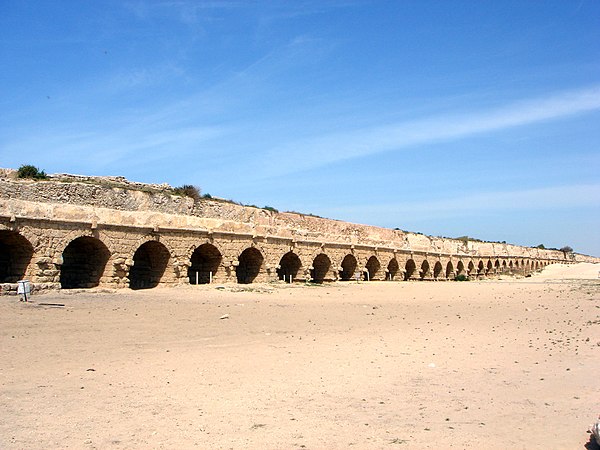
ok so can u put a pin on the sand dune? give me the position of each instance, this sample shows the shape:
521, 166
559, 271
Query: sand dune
491, 364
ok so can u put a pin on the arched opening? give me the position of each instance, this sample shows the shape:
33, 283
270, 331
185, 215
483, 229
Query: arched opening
373, 267
471, 268
480, 268
460, 268
348, 267
15, 256
149, 263
249, 264
424, 269
204, 263
489, 268
510, 266
410, 269
504, 266
289, 266
84, 260
392, 268
437, 270
321, 265
449, 269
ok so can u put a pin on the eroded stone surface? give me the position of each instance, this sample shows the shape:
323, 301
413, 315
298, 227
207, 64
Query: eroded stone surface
73, 231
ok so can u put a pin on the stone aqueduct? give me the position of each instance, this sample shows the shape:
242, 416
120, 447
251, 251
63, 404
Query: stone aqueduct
81, 232
80, 256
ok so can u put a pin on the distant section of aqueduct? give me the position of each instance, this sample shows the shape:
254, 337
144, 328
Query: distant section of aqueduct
82, 232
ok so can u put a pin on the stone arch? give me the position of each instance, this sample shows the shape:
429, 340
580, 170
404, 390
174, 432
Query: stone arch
480, 267
289, 266
25, 231
71, 236
84, 261
321, 265
242, 245
250, 262
471, 268
425, 268
373, 267
132, 248
15, 255
393, 268
437, 270
204, 264
349, 265
410, 269
191, 249
490, 267
449, 270
150, 261
460, 268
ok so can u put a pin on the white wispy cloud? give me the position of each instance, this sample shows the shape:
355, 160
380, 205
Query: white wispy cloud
545, 198
143, 77
184, 10
184, 125
343, 145
102, 149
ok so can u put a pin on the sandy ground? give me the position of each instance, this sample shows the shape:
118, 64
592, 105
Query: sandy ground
490, 364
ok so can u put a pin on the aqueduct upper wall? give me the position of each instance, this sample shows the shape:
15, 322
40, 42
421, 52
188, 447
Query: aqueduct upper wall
75, 231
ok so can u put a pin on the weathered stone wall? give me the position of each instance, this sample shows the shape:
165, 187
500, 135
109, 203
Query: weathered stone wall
142, 235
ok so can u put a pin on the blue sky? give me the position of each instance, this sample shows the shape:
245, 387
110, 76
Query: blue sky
456, 118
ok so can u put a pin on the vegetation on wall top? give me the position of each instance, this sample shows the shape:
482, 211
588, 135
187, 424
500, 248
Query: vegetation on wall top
565, 249
31, 172
188, 190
